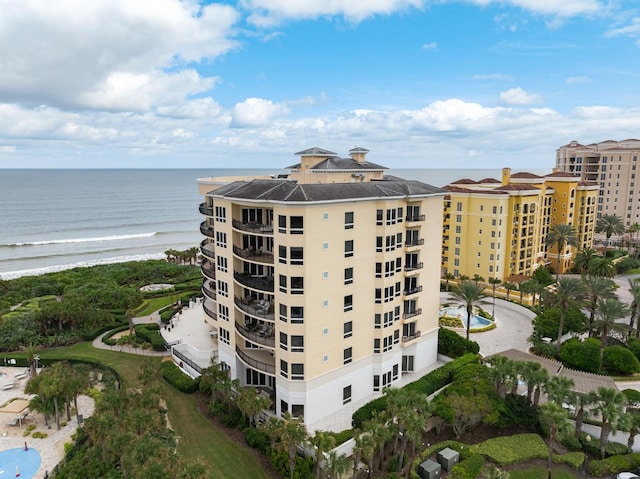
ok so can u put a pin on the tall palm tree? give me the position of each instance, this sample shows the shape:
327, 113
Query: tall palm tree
556, 419
603, 267
634, 289
290, 433
448, 277
581, 403
499, 373
584, 258
558, 389
364, 447
531, 376
509, 286
377, 427
560, 236
633, 231
610, 225
337, 464
568, 292
609, 405
323, 442
609, 310
469, 295
596, 288
477, 278
494, 282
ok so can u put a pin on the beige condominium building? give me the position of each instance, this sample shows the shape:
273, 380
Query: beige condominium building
497, 228
323, 284
614, 166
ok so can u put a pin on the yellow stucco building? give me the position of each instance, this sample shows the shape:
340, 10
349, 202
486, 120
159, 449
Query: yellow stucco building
497, 228
322, 285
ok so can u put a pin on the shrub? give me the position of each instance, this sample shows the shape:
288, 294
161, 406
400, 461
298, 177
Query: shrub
150, 333
612, 449
470, 468
634, 347
517, 411
257, 439
582, 355
626, 264
342, 436
512, 449
280, 461
546, 323
463, 449
614, 465
620, 360
106, 339
452, 344
178, 379
572, 459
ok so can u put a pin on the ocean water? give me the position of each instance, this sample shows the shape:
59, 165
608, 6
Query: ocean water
52, 220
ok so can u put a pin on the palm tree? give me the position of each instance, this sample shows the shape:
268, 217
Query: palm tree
477, 278
337, 464
603, 267
469, 295
509, 286
584, 258
609, 310
634, 289
531, 373
560, 236
558, 389
380, 432
568, 292
364, 448
32, 353
610, 225
596, 288
448, 277
494, 282
609, 405
291, 434
633, 231
556, 419
634, 428
499, 373
323, 442
581, 401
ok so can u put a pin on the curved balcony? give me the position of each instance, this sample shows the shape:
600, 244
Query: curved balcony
207, 249
259, 283
208, 269
253, 228
256, 256
412, 314
206, 230
258, 360
257, 309
409, 292
212, 314
261, 336
205, 210
209, 289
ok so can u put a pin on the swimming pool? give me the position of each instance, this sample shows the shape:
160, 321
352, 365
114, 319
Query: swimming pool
26, 462
461, 312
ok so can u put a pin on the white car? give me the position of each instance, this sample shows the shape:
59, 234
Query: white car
627, 475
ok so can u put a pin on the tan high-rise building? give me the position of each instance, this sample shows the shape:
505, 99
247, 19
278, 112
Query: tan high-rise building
613, 165
323, 285
497, 228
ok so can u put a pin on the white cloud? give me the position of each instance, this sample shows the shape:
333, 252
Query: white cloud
577, 79
563, 8
256, 112
430, 46
517, 96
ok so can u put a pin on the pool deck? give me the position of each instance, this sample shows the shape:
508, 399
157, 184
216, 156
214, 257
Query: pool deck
51, 448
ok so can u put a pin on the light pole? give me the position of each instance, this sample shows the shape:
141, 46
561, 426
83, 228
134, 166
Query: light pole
37, 358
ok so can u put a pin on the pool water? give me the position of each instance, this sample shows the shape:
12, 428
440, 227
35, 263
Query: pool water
460, 312
27, 463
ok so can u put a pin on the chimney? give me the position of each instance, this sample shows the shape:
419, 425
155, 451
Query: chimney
358, 154
506, 176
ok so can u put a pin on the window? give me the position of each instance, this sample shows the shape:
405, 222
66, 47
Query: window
221, 239
348, 275
379, 217
297, 372
283, 312
221, 214
296, 254
400, 215
284, 407
282, 224
297, 285
297, 315
297, 410
284, 369
297, 344
376, 346
348, 303
224, 336
391, 217
325, 246
348, 248
346, 395
348, 220
378, 270
224, 312
376, 382
297, 225
395, 372
377, 323
325, 275
283, 341
379, 244
347, 355
282, 254
222, 264
407, 364
325, 216
378, 296
223, 288
283, 283
458, 206
348, 329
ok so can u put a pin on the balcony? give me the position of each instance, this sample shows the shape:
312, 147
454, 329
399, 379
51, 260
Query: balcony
256, 256
414, 218
407, 339
206, 230
258, 360
260, 283
212, 314
254, 228
413, 266
412, 314
207, 249
209, 289
263, 336
257, 309
409, 292
205, 210
414, 242
208, 269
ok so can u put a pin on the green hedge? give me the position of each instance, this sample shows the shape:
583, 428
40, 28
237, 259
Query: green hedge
572, 459
463, 449
427, 384
179, 380
614, 465
453, 345
581, 355
618, 360
150, 333
470, 468
106, 339
507, 450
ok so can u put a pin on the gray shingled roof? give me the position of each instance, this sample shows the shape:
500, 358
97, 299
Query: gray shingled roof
315, 151
286, 190
335, 163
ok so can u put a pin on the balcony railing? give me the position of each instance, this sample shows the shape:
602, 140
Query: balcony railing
207, 249
206, 210
208, 269
261, 283
258, 337
208, 289
408, 292
189, 362
258, 228
206, 230
413, 266
412, 314
406, 339
415, 218
212, 314
255, 308
256, 364
414, 242
257, 256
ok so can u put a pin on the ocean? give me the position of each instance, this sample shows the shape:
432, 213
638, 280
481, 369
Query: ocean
51, 220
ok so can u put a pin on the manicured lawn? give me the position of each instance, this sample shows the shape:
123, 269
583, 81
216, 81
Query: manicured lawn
154, 304
198, 437
539, 472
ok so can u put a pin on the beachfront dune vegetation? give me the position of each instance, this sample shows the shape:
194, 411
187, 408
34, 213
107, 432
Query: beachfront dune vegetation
78, 304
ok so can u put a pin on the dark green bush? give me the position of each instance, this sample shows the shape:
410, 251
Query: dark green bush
179, 380
150, 333
614, 465
543, 276
470, 468
581, 355
342, 436
612, 448
517, 411
572, 459
634, 347
626, 264
280, 461
453, 345
619, 360
106, 339
545, 325
256, 439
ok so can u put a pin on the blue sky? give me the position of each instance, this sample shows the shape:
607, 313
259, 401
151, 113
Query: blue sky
421, 84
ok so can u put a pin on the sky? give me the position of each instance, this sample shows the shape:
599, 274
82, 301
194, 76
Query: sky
246, 84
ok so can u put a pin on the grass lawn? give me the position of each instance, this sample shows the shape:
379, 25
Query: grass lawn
154, 304
539, 472
198, 437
